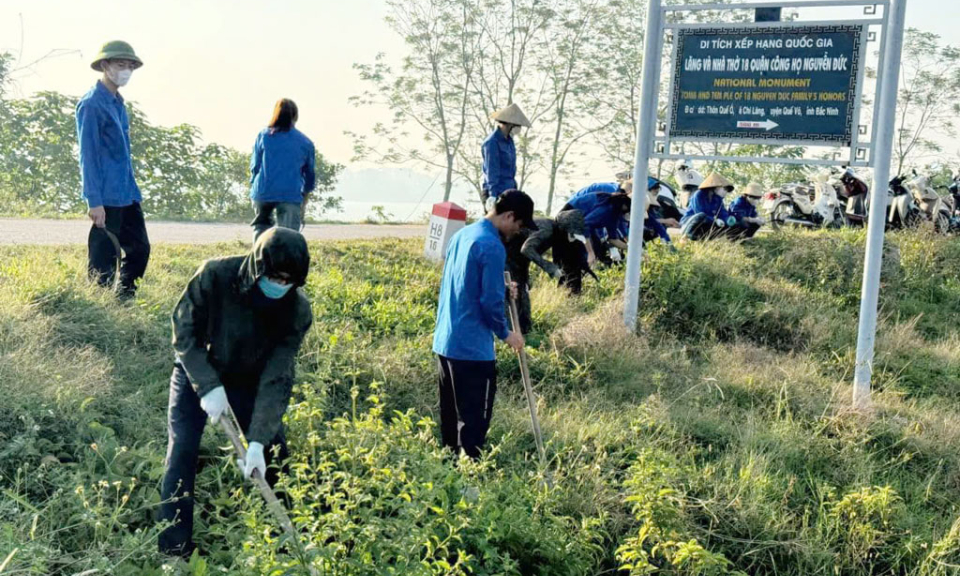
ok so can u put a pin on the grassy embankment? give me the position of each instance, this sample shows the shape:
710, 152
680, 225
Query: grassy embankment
718, 440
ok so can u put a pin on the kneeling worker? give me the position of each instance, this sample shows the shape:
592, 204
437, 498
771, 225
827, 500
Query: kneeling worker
564, 234
744, 209
706, 216
236, 333
470, 313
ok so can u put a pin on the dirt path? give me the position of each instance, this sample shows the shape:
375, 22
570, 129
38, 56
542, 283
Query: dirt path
37, 231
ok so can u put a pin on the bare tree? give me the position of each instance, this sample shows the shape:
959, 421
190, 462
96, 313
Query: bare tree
927, 106
431, 91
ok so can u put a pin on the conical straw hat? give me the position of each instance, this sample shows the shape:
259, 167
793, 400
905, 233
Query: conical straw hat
754, 189
715, 180
511, 115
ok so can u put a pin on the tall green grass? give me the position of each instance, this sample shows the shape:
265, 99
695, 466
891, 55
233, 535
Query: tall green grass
717, 440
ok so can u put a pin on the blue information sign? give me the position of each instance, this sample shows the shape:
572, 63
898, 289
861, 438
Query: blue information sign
793, 83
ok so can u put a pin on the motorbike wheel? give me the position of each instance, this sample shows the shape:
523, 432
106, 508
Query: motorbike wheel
839, 220
780, 212
942, 224
913, 219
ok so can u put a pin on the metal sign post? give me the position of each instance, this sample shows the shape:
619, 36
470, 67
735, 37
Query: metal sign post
646, 129
870, 294
778, 83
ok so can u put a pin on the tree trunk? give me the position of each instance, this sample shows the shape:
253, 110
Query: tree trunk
448, 183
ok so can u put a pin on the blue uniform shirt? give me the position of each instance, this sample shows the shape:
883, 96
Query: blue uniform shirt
499, 163
602, 218
702, 202
656, 226
608, 187
742, 208
471, 309
103, 133
282, 167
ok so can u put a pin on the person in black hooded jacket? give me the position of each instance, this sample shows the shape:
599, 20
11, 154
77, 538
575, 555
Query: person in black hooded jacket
236, 332
564, 234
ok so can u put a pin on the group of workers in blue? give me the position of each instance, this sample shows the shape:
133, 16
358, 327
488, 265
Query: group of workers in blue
240, 321
592, 226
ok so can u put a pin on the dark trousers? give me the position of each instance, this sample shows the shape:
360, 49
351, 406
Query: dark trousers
185, 422
701, 227
287, 216
467, 389
127, 225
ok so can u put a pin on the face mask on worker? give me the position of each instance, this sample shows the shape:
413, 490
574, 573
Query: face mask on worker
118, 76
752, 200
273, 290
720, 191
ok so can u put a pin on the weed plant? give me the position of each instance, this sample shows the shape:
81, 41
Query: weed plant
717, 439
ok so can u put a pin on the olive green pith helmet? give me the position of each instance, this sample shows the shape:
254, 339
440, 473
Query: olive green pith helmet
115, 49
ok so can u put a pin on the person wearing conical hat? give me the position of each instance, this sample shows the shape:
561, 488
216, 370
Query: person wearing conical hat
706, 215
500, 154
744, 209
106, 170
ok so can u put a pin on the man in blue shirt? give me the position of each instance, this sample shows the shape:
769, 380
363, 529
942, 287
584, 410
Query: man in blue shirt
500, 154
706, 215
106, 169
469, 315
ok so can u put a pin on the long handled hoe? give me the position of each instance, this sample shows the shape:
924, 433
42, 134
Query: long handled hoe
229, 424
525, 373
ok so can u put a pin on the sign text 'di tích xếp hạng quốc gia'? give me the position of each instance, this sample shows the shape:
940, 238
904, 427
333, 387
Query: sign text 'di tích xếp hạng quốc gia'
788, 83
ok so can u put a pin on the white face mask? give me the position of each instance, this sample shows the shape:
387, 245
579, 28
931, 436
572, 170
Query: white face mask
752, 200
118, 77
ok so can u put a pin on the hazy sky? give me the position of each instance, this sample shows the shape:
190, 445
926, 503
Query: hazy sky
221, 64
217, 64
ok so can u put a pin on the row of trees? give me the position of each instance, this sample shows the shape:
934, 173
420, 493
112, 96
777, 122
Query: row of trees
179, 174
574, 66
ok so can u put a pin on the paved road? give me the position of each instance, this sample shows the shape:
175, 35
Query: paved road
33, 231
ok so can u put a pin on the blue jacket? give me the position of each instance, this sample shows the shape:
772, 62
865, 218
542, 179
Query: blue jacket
742, 208
499, 163
103, 133
602, 218
471, 310
708, 203
282, 167
608, 187
656, 226
648, 223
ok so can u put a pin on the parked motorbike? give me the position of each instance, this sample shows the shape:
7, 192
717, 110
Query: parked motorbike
853, 195
688, 180
668, 199
902, 211
806, 206
954, 190
932, 207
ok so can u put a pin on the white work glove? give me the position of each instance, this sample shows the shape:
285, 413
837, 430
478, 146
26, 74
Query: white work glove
615, 255
253, 461
214, 403
556, 274
719, 223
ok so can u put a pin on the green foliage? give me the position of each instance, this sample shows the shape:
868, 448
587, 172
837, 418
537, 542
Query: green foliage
717, 441
179, 175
